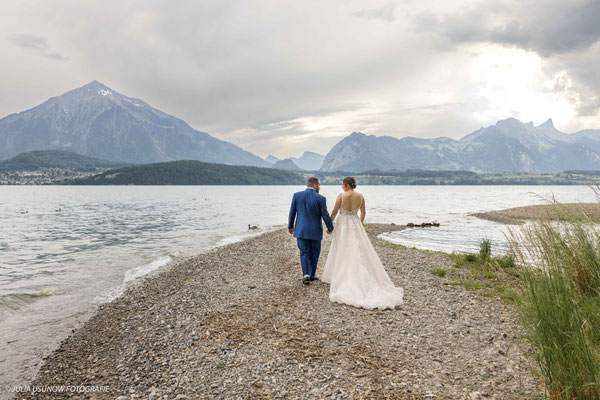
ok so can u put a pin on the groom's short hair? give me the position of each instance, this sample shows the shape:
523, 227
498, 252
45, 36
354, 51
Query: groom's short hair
312, 181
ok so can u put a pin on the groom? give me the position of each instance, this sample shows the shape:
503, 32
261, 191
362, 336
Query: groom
310, 207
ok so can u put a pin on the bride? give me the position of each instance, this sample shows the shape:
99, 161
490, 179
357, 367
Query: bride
353, 269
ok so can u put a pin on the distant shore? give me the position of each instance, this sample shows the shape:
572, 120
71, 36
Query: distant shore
236, 322
546, 212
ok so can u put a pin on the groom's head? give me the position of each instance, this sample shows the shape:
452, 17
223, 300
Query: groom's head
313, 182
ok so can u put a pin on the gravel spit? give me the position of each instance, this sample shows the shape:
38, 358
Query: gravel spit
237, 323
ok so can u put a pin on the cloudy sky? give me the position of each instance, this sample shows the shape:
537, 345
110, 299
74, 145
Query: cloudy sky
282, 77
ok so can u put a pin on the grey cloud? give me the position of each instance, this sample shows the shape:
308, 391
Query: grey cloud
37, 44
277, 78
566, 34
545, 27
584, 69
589, 109
227, 65
29, 41
385, 13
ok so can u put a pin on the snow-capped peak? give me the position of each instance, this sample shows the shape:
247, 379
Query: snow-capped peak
105, 92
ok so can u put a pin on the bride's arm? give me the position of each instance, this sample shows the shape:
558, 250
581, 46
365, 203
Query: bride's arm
336, 208
363, 211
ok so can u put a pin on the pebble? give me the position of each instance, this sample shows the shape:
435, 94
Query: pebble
214, 337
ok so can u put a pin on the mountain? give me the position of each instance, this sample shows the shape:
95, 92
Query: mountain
507, 146
287, 163
309, 161
589, 138
271, 159
36, 160
190, 172
96, 121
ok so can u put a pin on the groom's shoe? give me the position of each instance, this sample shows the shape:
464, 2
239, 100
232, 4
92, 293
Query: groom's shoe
306, 279
314, 278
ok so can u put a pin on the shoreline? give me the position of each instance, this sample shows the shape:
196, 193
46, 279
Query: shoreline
543, 212
27, 360
235, 321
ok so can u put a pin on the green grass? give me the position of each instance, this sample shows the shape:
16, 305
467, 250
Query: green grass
557, 297
490, 275
485, 249
463, 260
396, 246
506, 261
560, 306
467, 283
441, 272
470, 257
507, 293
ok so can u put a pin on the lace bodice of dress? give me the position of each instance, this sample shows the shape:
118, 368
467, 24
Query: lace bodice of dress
353, 269
350, 212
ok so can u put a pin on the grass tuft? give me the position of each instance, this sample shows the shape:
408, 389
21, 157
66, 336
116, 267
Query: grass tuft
441, 272
396, 246
485, 249
467, 283
560, 307
469, 257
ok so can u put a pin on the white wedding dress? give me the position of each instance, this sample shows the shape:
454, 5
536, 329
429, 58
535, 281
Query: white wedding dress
353, 269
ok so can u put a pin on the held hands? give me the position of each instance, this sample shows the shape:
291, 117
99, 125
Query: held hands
291, 231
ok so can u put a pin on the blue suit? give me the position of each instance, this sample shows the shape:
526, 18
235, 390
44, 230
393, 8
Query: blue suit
307, 210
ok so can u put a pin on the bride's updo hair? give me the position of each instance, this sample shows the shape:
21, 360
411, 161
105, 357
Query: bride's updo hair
350, 181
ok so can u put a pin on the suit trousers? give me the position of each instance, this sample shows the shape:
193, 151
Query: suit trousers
309, 255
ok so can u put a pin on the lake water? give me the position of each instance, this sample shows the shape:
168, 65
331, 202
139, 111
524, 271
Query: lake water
66, 249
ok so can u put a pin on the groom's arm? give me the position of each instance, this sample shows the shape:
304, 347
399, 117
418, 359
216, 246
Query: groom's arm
292, 216
325, 215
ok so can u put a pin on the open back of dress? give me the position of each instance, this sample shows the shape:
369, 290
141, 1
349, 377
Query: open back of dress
354, 270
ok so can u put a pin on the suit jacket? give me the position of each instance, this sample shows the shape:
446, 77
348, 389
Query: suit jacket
309, 207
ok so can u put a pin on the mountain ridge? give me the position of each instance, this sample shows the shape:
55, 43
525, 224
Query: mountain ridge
309, 160
191, 172
507, 146
97, 121
39, 159
287, 164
